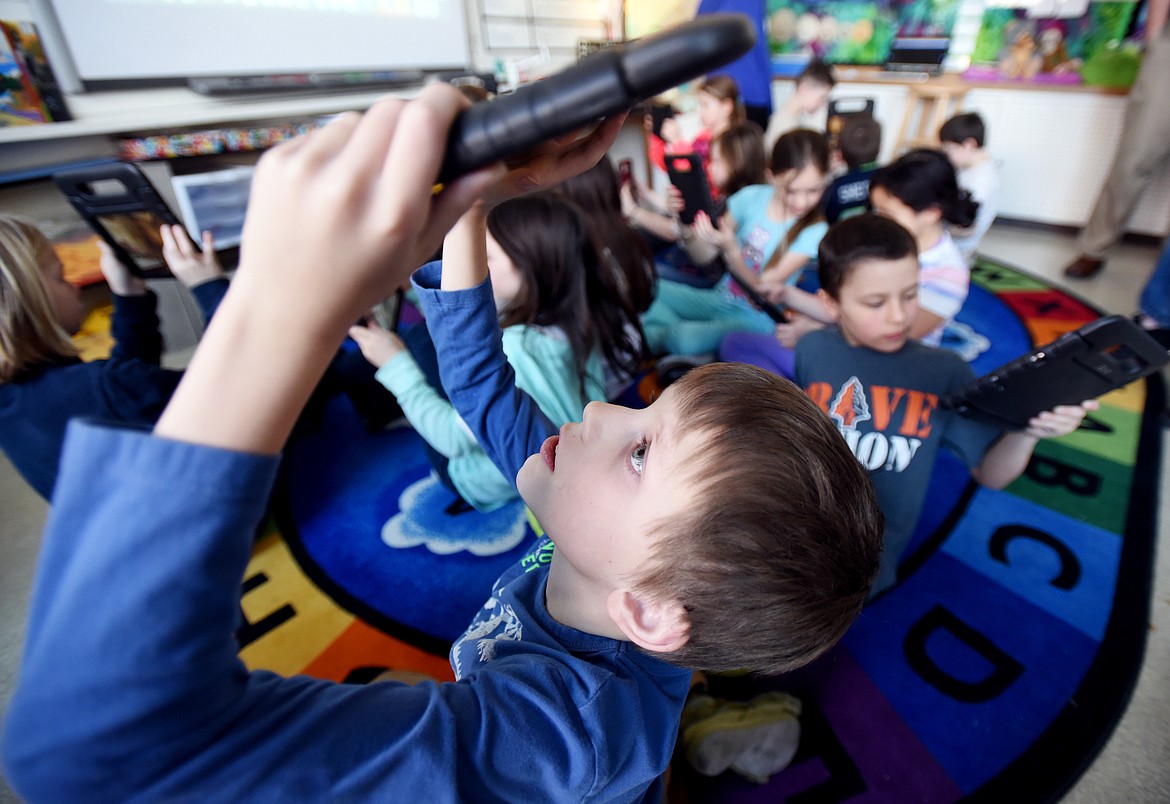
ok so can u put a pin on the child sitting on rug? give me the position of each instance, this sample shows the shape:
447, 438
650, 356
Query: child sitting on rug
736, 161
920, 191
963, 140
725, 526
719, 108
561, 328
860, 143
882, 388
43, 383
769, 232
626, 283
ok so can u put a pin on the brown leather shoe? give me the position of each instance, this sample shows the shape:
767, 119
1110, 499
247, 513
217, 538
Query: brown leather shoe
1083, 267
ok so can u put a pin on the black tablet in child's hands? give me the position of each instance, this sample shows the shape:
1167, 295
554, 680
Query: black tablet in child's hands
123, 207
688, 175
1097, 358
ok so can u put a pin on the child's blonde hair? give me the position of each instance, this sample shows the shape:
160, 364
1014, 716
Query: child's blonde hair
29, 330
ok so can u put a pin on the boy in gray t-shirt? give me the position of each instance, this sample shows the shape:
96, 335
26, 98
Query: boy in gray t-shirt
882, 389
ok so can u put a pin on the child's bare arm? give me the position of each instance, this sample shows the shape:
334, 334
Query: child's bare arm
1008, 457
924, 323
461, 318
780, 269
711, 240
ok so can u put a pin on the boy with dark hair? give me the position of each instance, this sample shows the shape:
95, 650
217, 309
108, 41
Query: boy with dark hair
810, 95
860, 142
962, 139
675, 548
882, 389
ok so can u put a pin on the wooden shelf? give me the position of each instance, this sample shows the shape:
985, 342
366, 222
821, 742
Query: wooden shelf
133, 111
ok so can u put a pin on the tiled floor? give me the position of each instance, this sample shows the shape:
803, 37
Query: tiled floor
1133, 767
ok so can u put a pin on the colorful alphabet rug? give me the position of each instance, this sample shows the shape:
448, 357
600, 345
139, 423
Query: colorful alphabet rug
994, 670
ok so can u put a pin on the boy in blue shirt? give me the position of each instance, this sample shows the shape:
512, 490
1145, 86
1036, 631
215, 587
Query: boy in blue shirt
860, 142
572, 677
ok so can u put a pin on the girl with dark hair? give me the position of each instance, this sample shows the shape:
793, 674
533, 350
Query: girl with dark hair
921, 191
769, 233
622, 287
559, 328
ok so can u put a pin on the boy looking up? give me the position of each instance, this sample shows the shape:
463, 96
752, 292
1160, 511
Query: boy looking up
882, 389
962, 140
675, 548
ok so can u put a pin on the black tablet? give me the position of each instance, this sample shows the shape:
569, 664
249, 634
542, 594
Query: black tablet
688, 175
775, 312
122, 206
1097, 358
609, 81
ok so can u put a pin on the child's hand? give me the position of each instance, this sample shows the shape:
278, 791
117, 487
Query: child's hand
773, 291
379, 346
722, 237
550, 163
1061, 420
339, 218
336, 221
628, 202
798, 326
121, 281
187, 264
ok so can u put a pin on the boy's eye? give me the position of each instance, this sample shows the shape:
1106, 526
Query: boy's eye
638, 456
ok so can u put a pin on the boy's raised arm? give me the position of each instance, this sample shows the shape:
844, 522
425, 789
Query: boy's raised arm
130, 648
461, 314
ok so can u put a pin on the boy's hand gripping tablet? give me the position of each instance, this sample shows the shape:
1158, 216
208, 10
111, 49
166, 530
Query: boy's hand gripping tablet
1102, 355
607, 82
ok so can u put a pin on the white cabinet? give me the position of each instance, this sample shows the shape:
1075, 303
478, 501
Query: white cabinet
1053, 148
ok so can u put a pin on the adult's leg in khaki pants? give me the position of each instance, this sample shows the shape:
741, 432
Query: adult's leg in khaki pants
1143, 148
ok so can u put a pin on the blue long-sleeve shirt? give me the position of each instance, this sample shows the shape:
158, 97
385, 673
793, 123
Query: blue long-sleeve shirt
131, 690
129, 388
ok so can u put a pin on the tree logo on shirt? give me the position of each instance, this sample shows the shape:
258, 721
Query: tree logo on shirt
850, 405
900, 420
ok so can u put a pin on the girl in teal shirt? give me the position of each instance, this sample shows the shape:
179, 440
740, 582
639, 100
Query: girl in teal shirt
559, 331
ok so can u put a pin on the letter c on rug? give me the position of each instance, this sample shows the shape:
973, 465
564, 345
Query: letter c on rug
1070, 568
1004, 669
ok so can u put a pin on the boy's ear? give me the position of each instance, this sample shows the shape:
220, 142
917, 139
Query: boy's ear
828, 302
658, 626
931, 215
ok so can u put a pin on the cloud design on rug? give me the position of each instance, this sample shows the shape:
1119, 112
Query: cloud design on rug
422, 519
962, 338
